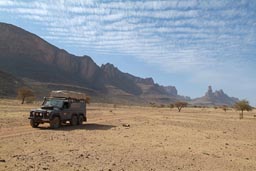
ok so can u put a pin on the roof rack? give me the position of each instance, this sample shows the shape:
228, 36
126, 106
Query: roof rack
71, 95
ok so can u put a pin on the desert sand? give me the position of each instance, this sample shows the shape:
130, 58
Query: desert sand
117, 138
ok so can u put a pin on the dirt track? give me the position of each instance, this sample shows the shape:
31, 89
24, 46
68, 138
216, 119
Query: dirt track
157, 139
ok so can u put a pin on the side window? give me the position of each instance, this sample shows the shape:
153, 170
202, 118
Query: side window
66, 105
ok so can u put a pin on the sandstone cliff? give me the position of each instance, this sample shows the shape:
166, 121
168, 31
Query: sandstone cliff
28, 57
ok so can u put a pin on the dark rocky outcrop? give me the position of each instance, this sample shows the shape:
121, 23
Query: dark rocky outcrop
123, 81
28, 56
216, 98
146, 81
171, 90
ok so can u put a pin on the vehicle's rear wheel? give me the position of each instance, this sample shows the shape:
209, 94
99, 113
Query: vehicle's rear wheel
80, 120
33, 123
73, 121
55, 123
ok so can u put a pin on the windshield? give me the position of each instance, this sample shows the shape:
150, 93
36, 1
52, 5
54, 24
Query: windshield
53, 103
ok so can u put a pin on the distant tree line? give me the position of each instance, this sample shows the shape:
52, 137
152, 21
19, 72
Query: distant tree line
241, 106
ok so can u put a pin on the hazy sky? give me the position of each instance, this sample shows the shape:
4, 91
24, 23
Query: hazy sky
188, 43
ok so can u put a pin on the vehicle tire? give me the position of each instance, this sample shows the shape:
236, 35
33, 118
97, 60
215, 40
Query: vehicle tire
80, 120
33, 123
73, 120
55, 123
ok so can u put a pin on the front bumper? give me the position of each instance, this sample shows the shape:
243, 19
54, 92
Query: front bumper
36, 119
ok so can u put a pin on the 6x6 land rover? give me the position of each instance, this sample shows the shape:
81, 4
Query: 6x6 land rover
60, 107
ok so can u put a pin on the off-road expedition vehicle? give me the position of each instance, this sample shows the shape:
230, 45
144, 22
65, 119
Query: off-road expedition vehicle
60, 107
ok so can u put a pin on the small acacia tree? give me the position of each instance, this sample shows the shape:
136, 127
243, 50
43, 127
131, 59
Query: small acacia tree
24, 93
225, 108
180, 105
242, 106
88, 99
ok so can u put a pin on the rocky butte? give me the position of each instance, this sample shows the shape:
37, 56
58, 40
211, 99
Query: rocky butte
216, 98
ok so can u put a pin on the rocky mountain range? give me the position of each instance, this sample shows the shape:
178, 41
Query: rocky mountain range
29, 60
216, 98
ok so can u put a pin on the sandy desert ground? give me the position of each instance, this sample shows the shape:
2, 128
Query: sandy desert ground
157, 139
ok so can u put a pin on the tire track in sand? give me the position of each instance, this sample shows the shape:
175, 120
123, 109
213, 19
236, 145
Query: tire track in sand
24, 130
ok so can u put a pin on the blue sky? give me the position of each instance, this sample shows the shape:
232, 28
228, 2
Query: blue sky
187, 43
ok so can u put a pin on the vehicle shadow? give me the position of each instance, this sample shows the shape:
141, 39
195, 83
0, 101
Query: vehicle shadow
87, 126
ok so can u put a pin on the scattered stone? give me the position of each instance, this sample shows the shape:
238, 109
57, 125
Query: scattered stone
206, 154
126, 125
2, 161
226, 144
247, 158
216, 156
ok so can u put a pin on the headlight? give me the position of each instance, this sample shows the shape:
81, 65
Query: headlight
40, 114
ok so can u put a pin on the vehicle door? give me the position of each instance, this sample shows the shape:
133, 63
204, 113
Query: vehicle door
67, 111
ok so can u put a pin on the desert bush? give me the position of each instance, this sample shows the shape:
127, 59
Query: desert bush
162, 106
171, 105
152, 104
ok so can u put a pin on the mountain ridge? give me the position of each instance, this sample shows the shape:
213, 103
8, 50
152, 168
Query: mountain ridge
26, 56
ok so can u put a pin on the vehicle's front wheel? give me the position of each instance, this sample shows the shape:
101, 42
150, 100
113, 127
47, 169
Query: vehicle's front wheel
55, 123
33, 123
80, 120
73, 121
